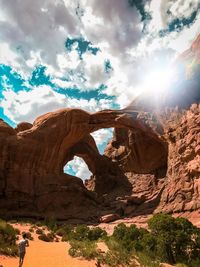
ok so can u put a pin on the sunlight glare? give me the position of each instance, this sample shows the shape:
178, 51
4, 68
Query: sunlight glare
158, 80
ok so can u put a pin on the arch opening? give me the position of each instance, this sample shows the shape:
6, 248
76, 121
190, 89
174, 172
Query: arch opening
86, 154
102, 138
78, 167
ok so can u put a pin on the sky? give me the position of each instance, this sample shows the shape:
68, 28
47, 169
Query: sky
88, 54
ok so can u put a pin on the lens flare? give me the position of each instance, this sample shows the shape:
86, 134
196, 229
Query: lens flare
158, 80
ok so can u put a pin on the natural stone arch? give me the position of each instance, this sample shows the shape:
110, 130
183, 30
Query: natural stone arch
106, 174
73, 125
32, 179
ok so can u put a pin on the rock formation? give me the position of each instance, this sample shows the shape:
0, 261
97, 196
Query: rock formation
32, 182
182, 184
174, 165
151, 164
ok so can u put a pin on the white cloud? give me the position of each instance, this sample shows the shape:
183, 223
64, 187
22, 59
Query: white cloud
94, 72
79, 167
27, 105
114, 21
68, 61
86, 74
165, 11
34, 32
102, 136
7, 56
185, 38
61, 83
180, 8
37, 26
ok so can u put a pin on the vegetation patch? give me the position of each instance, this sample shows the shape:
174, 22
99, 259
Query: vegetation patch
170, 240
7, 239
45, 238
39, 231
86, 249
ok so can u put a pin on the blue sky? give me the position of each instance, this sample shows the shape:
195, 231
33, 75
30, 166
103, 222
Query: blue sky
86, 53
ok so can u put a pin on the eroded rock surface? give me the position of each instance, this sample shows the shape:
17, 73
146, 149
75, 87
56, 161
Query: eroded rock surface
32, 182
182, 187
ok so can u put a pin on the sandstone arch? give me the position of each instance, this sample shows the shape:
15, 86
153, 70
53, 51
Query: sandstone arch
32, 181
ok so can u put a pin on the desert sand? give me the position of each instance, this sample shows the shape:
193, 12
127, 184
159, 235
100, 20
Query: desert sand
45, 254
52, 254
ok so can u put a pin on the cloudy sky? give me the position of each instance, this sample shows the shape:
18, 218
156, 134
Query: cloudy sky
86, 53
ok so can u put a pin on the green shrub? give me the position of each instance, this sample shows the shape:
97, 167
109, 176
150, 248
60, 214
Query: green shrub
46, 238
39, 231
9, 250
80, 233
117, 258
176, 239
51, 224
17, 231
65, 230
86, 249
39, 224
129, 237
116, 255
60, 232
51, 236
120, 231
147, 261
7, 239
96, 233
169, 240
65, 238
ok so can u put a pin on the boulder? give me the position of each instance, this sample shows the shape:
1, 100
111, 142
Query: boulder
109, 218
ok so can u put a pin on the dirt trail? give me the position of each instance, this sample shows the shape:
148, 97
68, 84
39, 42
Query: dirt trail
44, 254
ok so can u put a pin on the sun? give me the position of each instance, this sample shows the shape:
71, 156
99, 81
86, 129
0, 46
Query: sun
158, 80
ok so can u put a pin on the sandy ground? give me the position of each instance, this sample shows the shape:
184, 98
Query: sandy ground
55, 254
45, 254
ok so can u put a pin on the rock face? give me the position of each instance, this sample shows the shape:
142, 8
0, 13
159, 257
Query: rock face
137, 152
182, 187
32, 182
152, 164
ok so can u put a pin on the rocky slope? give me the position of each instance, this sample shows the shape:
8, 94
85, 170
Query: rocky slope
152, 164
